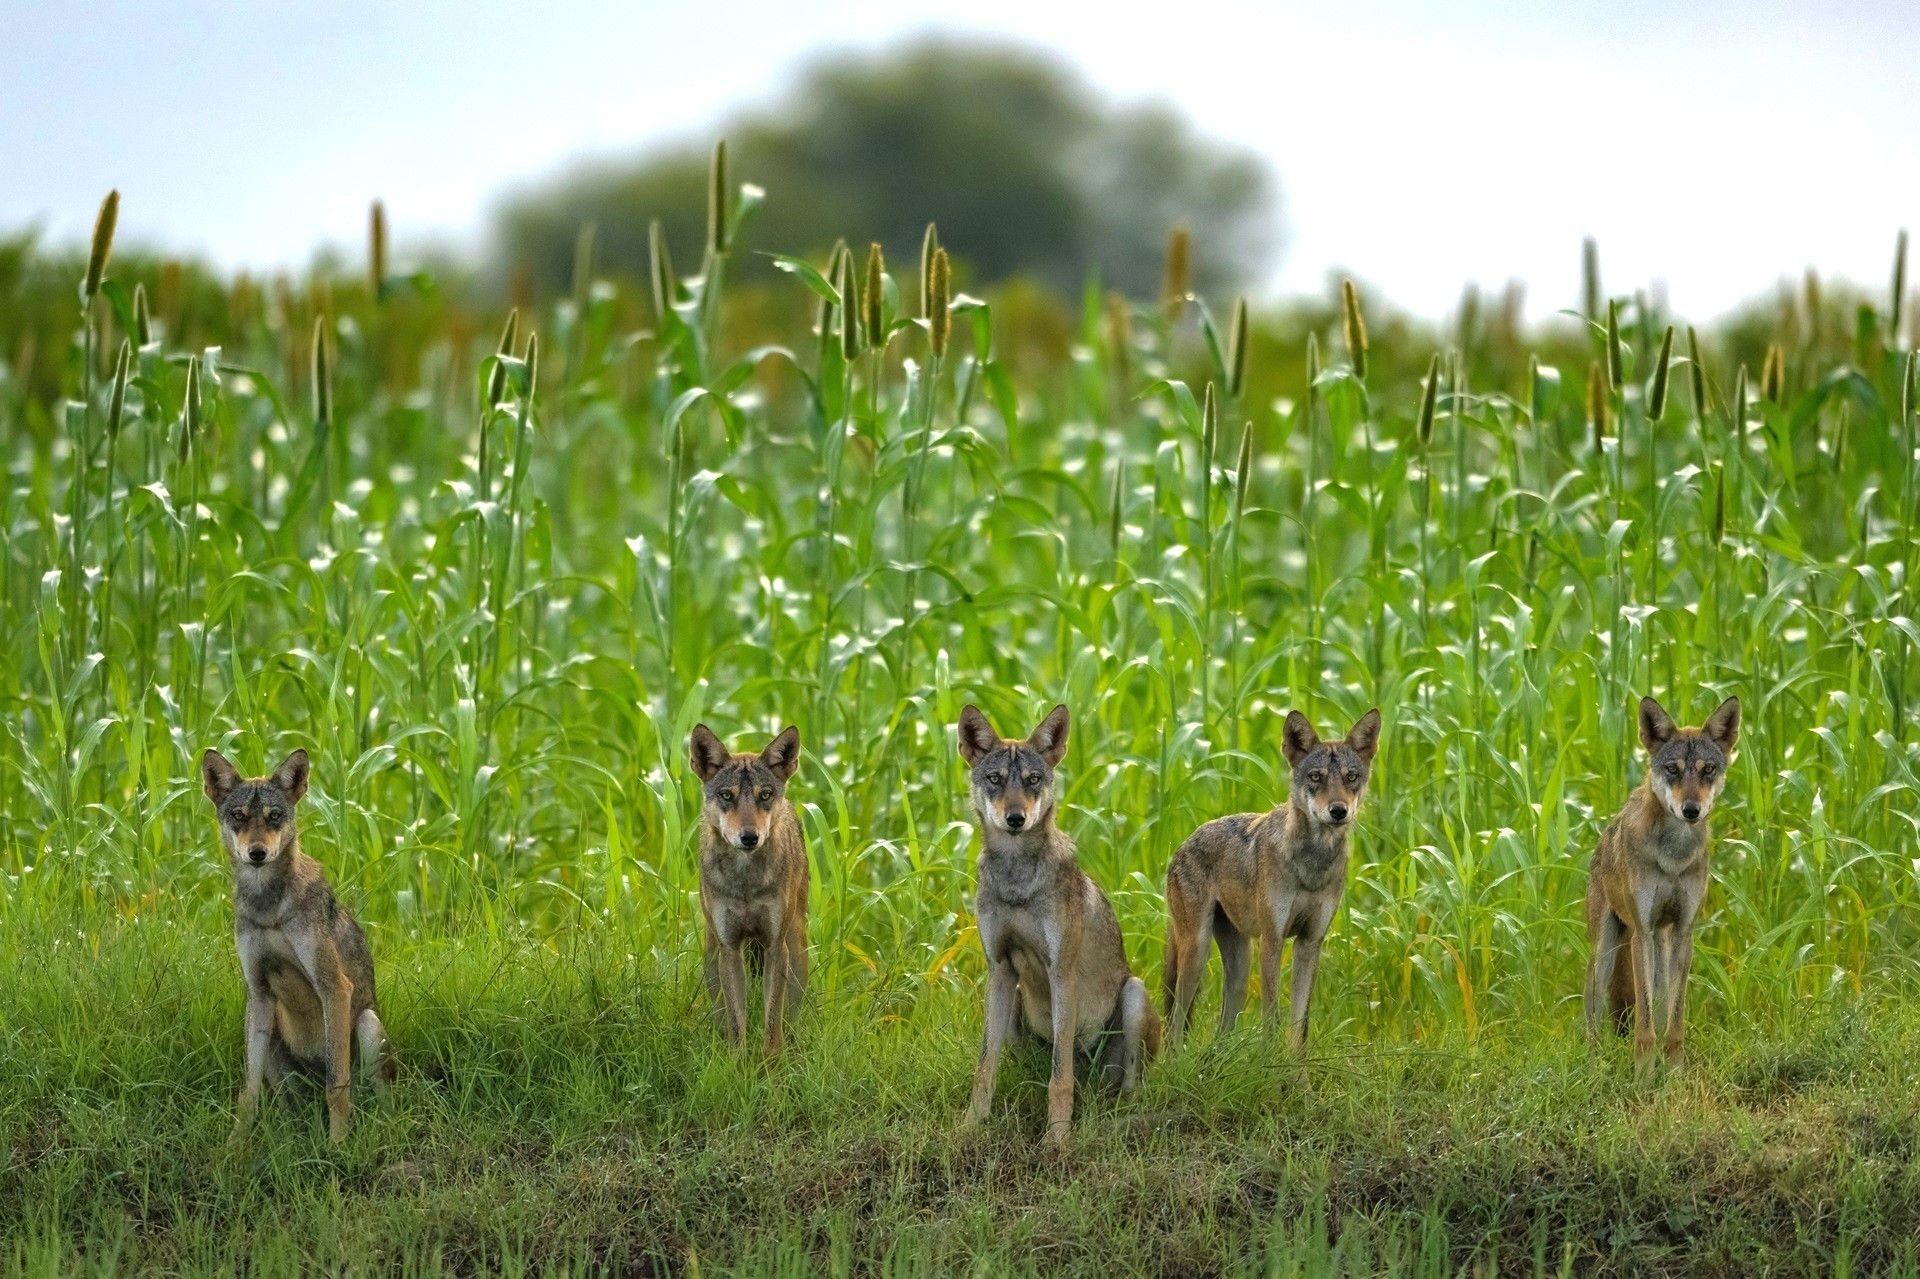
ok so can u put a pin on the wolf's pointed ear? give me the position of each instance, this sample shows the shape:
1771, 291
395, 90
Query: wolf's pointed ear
1656, 726
1050, 739
1723, 726
217, 777
783, 753
291, 776
976, 735
1365, 735
1297, 738
709, 754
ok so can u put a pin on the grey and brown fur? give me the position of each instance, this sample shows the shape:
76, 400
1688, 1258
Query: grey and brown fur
753, 881
1056, 964
1267, 877
311, 1007
1649, 879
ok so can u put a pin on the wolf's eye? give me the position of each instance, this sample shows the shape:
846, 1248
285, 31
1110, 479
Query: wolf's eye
274, 817
1706, 772
1316, 776
1353, 777
1033, 779
1673, 770
725, 797
994, 779
766, 795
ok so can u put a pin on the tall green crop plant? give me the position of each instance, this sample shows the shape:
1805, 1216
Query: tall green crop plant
1177, 290
720, 206
1656, 403
377, 268
1242, 483
116, 417
938, 303
1897, 301
99, 253
1209, 444
1237, 340
191, 423
1423, 436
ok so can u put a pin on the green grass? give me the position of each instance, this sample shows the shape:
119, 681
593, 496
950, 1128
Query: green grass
566, 1104
494, 628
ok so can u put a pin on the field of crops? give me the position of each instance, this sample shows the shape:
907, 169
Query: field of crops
491, 583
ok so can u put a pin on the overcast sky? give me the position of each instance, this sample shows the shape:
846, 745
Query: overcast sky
1716, 146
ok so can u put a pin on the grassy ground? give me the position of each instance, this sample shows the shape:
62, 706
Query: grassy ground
566, 1105
492, 591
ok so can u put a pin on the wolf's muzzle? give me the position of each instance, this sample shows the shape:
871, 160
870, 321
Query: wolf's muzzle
749, 838
257, 854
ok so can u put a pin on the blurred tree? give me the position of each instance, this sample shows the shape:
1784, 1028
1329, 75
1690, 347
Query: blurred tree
1025, 169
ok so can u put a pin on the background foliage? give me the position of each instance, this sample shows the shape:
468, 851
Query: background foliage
1027, 170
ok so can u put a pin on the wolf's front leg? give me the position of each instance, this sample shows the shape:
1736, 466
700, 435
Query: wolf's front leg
773, 983
336, 1007
1003, 1000
1060, 981
1679, 964
716, 991
1306, 967
259, 1041
796, 934
732, 966
1269, 976
1648, 995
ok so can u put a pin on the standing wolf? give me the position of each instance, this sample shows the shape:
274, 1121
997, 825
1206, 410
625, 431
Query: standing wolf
1649, 878
1267, 877
1055, 959
310, 1000
753, 881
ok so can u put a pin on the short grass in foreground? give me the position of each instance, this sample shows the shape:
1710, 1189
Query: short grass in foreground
564, 1105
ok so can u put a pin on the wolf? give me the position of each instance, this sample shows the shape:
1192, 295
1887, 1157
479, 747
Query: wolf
311, 1006
1056, 963
1649, 879
753, 881
1267, 877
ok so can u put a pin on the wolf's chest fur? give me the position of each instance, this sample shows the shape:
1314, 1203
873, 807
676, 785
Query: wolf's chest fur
297, 1011
741, 877
1300, 860
1669, 879
1017, 887
1018, 876
746, 890
1315, 864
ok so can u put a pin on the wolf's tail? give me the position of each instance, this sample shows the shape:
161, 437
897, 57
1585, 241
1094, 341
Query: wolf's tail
1170, 966
1169, 976
1620, 991
1150, 1035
